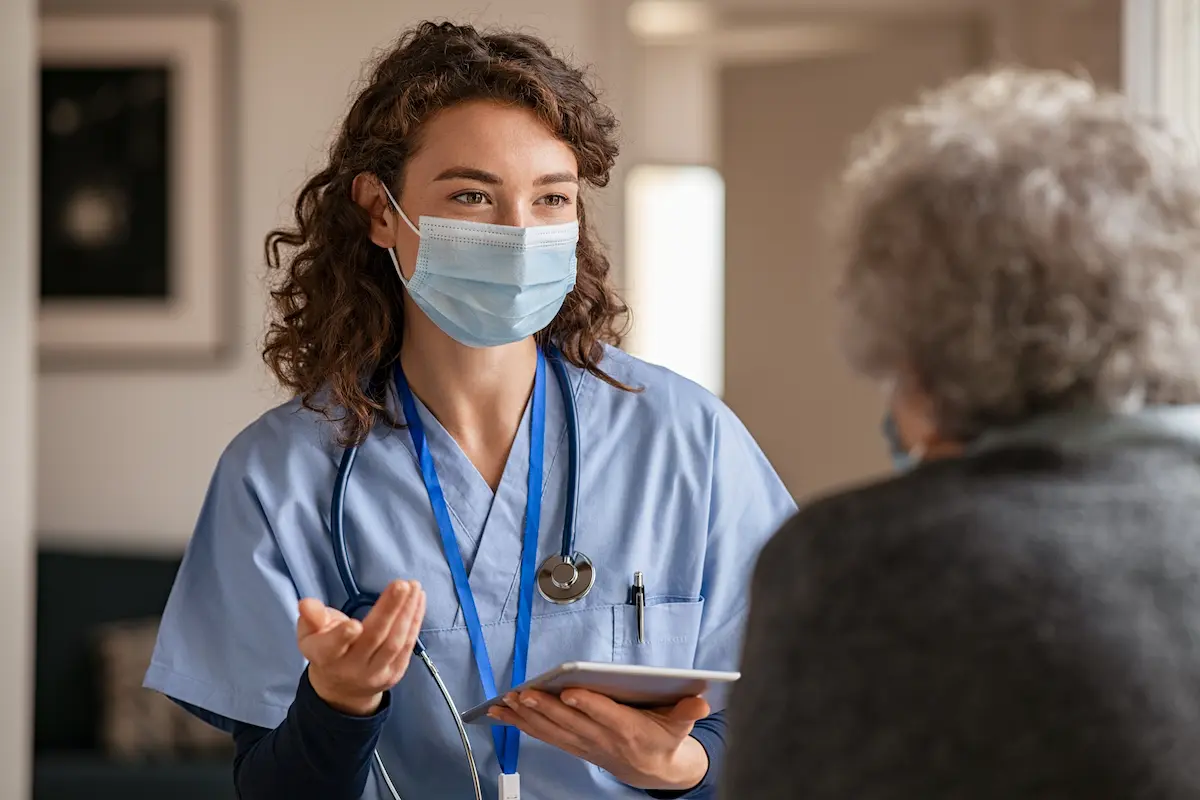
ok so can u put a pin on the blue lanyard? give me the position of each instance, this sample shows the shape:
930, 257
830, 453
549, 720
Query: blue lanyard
508, 740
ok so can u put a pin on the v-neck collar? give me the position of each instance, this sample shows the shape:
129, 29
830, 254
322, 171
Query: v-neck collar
488, 527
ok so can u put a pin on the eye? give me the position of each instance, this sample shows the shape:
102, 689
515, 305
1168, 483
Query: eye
472, 198
556, 200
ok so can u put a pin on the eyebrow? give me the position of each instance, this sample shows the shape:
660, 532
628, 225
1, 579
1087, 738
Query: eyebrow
556, 177
483, 176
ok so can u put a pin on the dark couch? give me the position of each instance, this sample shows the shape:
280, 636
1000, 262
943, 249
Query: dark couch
76, 592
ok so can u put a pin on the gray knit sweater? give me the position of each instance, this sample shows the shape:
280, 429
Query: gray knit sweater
1021, 623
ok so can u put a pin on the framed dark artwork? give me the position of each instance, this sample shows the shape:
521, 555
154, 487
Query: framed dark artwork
131, 188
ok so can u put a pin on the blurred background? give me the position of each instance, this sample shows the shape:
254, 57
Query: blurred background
146, 149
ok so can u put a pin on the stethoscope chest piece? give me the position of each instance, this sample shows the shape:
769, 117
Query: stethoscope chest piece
563, 582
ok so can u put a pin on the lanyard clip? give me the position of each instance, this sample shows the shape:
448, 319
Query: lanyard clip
510, 786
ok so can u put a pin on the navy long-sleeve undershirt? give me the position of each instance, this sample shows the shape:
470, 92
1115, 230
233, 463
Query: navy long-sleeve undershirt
317, 753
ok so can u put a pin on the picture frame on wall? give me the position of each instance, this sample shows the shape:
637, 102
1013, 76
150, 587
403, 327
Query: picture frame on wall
134, 227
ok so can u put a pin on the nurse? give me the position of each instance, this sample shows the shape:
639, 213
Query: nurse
438, 264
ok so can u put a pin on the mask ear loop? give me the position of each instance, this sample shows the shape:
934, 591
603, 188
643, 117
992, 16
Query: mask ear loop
399, 210
392, 250
917, 452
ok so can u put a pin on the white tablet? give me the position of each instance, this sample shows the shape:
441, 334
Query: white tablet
628, 684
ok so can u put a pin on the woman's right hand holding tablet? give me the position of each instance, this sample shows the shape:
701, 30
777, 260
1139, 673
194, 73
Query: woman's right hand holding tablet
351, 663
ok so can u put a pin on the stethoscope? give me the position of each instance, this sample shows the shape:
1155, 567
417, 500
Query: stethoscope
562, 578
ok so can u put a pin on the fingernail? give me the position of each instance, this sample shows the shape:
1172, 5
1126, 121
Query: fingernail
571, 701
510, 700
494, 714
529, 701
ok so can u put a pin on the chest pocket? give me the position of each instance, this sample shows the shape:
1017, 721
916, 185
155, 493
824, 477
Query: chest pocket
672, 633
576, 635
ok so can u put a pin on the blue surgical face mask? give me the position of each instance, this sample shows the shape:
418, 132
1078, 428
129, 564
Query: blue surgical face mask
902, 460
486, 285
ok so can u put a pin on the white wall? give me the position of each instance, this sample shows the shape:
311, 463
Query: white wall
17, 34
124, 459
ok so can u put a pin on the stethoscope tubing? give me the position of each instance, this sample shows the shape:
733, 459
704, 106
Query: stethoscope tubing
571, 517
356, 598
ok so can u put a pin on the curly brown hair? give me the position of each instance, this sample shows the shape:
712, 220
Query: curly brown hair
336, 299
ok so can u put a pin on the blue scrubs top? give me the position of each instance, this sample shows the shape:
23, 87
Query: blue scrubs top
671, 485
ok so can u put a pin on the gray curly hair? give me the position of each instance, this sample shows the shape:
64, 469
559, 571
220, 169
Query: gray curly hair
1019, 242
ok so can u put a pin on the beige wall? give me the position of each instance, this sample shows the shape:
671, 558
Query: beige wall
784, 130
1062, 34
17, 149
124, 458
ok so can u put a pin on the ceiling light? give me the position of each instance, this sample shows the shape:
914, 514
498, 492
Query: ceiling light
657, 19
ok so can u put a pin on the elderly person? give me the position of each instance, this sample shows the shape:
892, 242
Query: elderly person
1016, 614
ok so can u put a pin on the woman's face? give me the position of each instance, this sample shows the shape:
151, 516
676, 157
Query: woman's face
484, 162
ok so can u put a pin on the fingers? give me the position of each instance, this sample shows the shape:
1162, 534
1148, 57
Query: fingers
563, 716
312, 617
606, 712
352, 663
532, 722
325, 646
316, 617
377, 648
324, 633
378, 623
689, 710
403, 631
681, 718
614, 716
414, 630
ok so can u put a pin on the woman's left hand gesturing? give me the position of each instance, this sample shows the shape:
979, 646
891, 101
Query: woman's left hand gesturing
648, 749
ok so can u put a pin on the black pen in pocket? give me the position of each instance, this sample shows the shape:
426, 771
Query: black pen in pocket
638, 598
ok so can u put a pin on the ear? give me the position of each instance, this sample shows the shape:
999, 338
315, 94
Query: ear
368, 193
